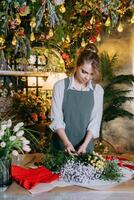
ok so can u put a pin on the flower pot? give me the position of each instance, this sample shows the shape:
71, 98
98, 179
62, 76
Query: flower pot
5, 173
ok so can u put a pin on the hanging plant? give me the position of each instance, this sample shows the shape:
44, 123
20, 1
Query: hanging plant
63, 23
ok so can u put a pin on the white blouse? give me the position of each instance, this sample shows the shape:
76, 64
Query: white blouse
57, 99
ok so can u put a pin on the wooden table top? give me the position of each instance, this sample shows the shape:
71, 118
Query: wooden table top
29, 159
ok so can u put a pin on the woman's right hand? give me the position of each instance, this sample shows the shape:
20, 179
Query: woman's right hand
69, 149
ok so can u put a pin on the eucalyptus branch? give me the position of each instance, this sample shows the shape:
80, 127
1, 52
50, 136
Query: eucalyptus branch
39, 15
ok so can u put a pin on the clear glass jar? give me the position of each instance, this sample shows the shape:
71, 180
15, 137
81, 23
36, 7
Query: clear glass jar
5, 173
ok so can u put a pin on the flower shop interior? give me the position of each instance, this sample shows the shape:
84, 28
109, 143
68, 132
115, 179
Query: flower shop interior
40, 41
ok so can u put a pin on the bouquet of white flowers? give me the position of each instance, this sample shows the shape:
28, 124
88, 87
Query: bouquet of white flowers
12, 142
12, 139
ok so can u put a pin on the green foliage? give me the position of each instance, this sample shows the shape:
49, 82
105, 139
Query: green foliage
112, 112
55, 161
123, 79
107, 65
110, 168
80, 21
112, 171
114, 95
31, 135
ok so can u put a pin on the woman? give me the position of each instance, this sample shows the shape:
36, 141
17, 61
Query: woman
77, 106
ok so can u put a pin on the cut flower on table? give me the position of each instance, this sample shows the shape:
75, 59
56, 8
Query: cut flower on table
82, 168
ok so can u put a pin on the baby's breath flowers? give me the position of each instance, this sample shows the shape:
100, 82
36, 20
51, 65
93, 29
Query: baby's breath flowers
83, 168
12, 140
78, 172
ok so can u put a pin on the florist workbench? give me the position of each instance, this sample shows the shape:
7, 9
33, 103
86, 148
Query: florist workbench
15, 191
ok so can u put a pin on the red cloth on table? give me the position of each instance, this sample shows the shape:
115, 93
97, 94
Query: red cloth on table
121, 161
28, 178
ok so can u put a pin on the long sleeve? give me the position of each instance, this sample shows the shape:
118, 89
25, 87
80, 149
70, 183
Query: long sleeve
56, 109
96, 115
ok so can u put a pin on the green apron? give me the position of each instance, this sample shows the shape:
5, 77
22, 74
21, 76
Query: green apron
77, 107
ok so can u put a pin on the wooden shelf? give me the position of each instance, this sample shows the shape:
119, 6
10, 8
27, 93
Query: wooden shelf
24, 73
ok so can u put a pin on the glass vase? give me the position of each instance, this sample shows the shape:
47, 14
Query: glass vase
5, 173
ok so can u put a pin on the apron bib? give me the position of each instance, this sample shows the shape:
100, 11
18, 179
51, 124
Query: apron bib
77, 107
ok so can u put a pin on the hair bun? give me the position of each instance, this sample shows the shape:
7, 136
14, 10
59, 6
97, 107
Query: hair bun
91, 47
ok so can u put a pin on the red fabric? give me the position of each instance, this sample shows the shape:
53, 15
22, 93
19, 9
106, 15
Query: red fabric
129, 166
28, 178
121, 161
115, 157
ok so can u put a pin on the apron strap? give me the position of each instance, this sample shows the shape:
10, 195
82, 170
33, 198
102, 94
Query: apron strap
66, 82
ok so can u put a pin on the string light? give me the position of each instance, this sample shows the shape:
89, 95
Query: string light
132, 19
120, 27
98, 38
92, 20
83, 43
108, 22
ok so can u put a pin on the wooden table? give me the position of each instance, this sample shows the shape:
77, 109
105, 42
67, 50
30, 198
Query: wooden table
15, 191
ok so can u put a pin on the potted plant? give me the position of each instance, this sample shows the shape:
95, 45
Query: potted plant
114, 93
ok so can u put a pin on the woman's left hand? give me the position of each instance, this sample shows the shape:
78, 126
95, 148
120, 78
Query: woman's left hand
82, 149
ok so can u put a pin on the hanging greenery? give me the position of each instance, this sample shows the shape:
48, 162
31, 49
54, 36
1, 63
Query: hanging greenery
20, 19
68, 25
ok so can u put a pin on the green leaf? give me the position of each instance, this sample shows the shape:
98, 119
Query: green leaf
113, 112
107, 65
122, 79
112, 171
